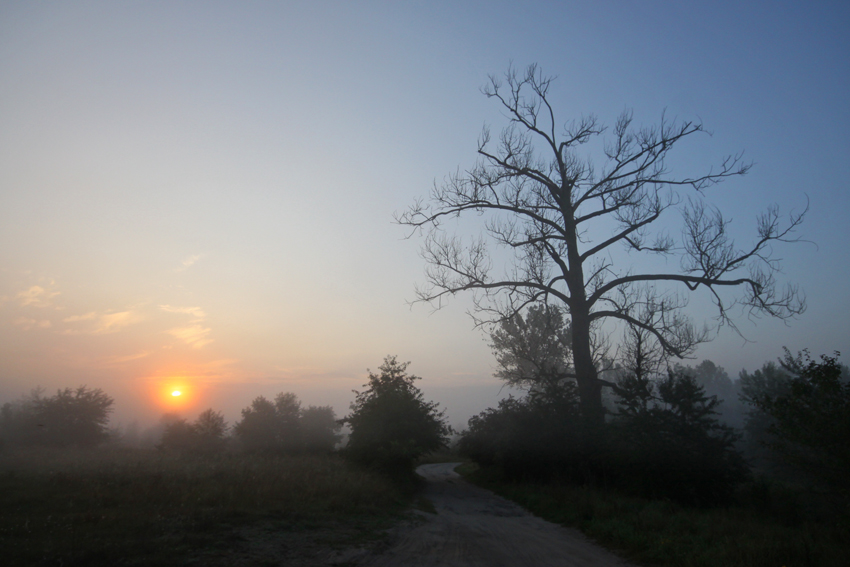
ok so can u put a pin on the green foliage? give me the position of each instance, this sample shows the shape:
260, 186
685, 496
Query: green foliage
665, 441
811, 420
72, 417
270, 426
205, 435
319, 429
391, 423
283, 426
669, 443
530, 438
534, 351
770, 381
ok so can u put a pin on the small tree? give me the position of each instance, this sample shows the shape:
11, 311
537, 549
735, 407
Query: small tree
391, 423
284, 426
534, 351
811, 419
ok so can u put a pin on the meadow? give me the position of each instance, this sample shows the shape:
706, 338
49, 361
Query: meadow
121, 506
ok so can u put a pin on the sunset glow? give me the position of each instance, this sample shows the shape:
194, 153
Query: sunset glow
186, 224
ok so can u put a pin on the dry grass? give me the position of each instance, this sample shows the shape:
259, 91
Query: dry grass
138, 507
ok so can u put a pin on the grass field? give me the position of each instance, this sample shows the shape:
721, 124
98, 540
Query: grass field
142, 507
767, 534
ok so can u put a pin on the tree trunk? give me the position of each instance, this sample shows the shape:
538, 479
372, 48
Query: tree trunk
589, 387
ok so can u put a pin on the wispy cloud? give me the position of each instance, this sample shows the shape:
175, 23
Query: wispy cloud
130, 357
36, 296
195, 335
28, 324
75, 318
104, 323
196, 312
113, 322
189, 262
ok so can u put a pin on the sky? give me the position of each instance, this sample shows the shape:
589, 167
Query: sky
200, 195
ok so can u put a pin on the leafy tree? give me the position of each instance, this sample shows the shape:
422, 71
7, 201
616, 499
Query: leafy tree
72, 417
768, 382
716, 382
811, 419
670, 443
178, 435
558, 217
534, 351
319, 429
204, 435
284, 426
270, 426
391, 423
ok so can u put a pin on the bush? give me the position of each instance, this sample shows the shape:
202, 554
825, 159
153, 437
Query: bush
533, 438
391, 423
668, 442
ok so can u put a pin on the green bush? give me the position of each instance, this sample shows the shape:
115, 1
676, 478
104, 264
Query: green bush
533, 438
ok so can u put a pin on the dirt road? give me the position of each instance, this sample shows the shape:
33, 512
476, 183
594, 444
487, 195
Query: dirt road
475, 527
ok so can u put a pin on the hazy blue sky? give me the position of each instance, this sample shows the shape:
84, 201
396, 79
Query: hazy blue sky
201, 193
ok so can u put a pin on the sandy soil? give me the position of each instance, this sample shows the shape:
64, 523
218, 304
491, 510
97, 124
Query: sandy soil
475, 527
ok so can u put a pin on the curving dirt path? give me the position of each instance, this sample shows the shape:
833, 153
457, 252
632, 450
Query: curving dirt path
475, 527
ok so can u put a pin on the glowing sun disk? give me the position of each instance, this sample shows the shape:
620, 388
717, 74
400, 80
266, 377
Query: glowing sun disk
175, 393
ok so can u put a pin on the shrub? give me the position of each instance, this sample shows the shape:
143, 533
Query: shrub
531, 438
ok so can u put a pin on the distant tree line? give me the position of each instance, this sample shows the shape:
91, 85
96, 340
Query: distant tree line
391, 424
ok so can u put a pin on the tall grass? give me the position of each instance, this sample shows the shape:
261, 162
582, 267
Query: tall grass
663, 533
144, 507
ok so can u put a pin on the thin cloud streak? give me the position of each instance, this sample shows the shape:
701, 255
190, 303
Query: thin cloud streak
36, 296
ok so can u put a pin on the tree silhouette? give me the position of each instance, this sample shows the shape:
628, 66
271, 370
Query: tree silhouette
557, 216
391, 423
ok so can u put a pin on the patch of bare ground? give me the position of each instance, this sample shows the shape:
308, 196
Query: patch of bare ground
474, 527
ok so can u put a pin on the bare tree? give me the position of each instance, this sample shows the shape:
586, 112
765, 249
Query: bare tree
558, 215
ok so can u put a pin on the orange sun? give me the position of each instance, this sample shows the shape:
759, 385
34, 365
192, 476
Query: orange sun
175, 393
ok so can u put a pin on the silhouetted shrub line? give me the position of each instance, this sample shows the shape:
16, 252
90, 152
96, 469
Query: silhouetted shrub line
664, 441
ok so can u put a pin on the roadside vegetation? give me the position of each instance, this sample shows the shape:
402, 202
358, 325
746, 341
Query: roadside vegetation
670, 478
767, 525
